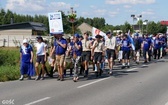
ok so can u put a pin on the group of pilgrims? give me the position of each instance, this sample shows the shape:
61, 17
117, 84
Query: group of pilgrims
84, 53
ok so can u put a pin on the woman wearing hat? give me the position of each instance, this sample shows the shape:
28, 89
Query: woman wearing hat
26, 56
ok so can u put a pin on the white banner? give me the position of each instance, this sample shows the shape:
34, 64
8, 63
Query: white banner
96, 31
55, 22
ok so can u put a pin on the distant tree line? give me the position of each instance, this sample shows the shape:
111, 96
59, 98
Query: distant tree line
6, 17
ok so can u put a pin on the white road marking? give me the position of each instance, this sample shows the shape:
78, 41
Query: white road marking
34, 102
92, 83
132, 69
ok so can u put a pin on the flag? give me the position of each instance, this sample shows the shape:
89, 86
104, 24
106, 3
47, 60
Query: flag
96, 31
131, 40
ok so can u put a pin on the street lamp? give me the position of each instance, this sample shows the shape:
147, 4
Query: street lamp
146, 23
139, 17
133, 16
72, 18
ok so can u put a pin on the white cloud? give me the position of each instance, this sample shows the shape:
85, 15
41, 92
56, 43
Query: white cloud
85, 14
93, 7
100, 12
127, 6
25, 5
37, 6
148, 12
113, 13
130, 1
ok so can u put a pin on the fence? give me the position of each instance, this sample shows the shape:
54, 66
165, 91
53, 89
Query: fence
16, 40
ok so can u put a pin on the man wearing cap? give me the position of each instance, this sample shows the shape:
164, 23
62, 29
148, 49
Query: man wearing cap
97, 52
86, 53
26, 56
147, 47
76, 48
41, 57
110, 45
60, 46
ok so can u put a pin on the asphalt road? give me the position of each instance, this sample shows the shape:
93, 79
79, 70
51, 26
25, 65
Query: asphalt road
138, 85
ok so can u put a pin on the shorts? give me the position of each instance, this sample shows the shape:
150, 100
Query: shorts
67, 59
126, 55
86, 55
60, 59
110, 53
40, 59
97, 57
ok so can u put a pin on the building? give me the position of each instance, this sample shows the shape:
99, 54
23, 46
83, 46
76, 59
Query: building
11, 33
165, 23
84, 27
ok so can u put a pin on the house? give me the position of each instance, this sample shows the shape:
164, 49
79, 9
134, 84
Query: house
165, 23
26, 28
16, 32
84, 27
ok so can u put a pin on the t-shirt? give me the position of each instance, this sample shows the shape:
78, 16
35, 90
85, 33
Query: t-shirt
147, 43
85, 45
59, 50
111, 43
76, 51
157, 43
40, 48
137, 43
26, 53
99, 46
125, 45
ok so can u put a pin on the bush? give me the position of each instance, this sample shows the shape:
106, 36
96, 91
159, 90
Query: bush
9, 64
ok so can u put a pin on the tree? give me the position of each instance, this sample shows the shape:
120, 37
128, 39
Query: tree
126, 27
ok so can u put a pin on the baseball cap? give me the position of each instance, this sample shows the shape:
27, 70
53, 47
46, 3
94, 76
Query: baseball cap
25, 41
98, 36
108, 32
76, 35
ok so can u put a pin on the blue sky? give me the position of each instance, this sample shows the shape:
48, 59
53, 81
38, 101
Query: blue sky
115, 12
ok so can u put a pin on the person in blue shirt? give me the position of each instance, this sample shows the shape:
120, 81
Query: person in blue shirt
60, 46
137, 43
26, 56
147, 47
125, 47
76, 48
157, 46
163, 44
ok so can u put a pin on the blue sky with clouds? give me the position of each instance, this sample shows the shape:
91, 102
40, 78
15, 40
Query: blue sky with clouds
115, 12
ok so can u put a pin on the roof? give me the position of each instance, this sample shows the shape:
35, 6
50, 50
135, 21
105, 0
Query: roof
84, 27
164, 23
24, 25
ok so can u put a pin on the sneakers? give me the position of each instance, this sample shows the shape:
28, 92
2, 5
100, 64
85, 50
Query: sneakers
29, 78
21, 78
42, 78
75, 79
37, 78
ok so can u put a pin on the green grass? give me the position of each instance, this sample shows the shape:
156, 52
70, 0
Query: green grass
9, 64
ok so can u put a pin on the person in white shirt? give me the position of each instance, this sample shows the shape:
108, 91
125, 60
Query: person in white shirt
97, 53
41, 57
86, 53
110, 45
